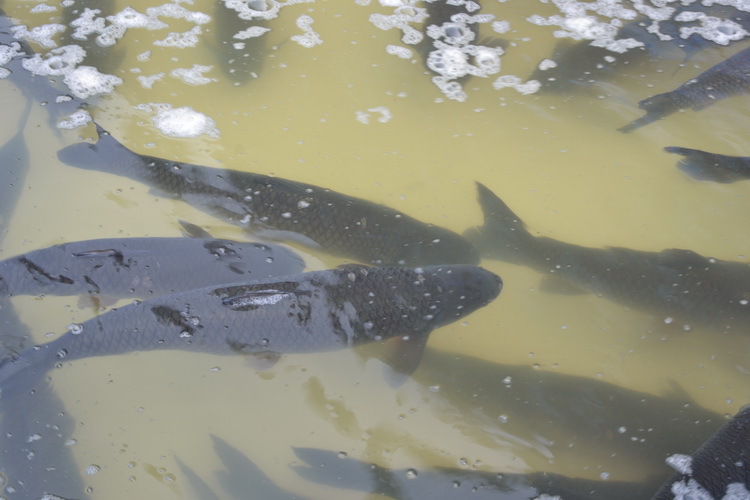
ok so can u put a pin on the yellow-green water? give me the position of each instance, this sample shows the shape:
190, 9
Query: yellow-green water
557, 160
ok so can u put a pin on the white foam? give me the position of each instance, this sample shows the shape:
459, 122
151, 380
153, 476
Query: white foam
681, 463
86, 81
310, 38
148, 82
181, 40
56, 62
183, 122
77, 119
194, 75
397, 50
42, 7
40, 34
251, 32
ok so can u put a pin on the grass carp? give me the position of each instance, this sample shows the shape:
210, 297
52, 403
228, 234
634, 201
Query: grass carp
315, 311
675, 283
340, 224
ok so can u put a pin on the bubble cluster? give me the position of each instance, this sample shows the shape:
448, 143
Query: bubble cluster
86, 81
182, 122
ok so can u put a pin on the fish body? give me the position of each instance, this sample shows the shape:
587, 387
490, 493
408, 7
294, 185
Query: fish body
239, 53
571, 418
315, 311
727, 78
720, 469
142, 267
35, 87
675, 283
714, 167
340, 224
443, 483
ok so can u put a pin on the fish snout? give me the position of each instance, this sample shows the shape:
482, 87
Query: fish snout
463, 289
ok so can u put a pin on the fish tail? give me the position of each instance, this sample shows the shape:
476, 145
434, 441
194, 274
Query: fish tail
504, 234
705, 166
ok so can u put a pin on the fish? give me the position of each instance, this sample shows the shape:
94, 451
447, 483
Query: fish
142, 267
674, 283
571, 418
446, 483
725, 79
59, 103
720, 469
314, 311
240, 53
714, 167
339, 224
581, 64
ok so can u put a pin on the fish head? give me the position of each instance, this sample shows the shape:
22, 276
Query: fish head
458, 290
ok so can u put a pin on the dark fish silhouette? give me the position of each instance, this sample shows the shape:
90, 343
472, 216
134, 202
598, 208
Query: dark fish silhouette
329, 468
35, 87
315, 311
142, 267
550, 414
673, 283
711, 166
580, 64
725, 79
239, 57
340, 224
720, 469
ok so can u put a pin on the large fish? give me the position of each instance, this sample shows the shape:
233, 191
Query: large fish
340, 224
714, 167
571, 418
329, 468
680, 284
727, 78
142, 267
720, 469
315, 311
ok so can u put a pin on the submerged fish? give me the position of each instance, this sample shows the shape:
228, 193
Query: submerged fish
35, 87
711, 166
142, 267
340, 224
720, 469
674, 283
329, 468
725, 79
583, 63
571, 418
315, 311
240, 36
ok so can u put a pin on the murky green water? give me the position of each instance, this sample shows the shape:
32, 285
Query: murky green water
557, 160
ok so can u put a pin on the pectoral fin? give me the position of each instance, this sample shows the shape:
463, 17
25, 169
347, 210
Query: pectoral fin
403, 355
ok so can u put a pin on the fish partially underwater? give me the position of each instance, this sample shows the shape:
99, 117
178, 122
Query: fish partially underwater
714, 167
315, 311
679, 284
240, 34
340, 224
727, 78
58, 103
571, 418
720, 469
444, 483
142, 267
585, 63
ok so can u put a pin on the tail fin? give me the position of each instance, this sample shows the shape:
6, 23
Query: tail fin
705, 166
504, 234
